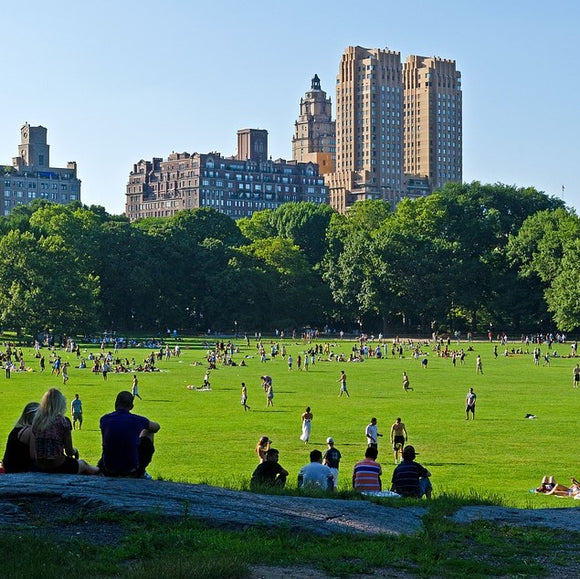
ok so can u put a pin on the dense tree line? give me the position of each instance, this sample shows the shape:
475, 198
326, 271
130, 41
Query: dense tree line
468, 257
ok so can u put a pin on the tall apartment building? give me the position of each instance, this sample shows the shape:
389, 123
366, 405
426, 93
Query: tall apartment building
237, 186
432, 110
31, 177
369, 130
314, 131
398, 129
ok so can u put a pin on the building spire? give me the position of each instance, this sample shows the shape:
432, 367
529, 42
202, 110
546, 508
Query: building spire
315, 83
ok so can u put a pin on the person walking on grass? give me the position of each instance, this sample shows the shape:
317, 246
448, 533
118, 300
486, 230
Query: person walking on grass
372, 434
76, 410
478, 365
65, 373
270, 395
398, 438
343, 388
135, 388
245, 397
470, 404
307, 417
575, 376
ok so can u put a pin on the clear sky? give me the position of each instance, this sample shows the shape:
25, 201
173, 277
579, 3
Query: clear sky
116, 81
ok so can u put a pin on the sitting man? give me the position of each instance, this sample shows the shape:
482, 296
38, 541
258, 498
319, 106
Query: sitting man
367, 473
269, 473
410, 479
127, 440
316, 474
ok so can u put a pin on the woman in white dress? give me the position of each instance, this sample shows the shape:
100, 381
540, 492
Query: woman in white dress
306, 425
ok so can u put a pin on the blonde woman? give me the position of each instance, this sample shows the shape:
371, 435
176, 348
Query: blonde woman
17, 455
262, 448
51, 441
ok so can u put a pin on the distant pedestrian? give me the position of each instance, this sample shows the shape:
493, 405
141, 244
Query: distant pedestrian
372, 434
65, 373
470, 404
135, 388
478, 365
307, 417
76, 410
245, 397
398, 438
270, 396
343, 388
290, 361
575, 376
406, 383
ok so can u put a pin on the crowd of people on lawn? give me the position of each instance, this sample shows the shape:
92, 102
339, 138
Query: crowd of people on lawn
41, 441
409, 479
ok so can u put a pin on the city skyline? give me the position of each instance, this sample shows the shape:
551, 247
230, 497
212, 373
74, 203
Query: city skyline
116, 83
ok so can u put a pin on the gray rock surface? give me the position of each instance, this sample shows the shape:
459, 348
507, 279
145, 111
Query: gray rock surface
217, 506
565, 519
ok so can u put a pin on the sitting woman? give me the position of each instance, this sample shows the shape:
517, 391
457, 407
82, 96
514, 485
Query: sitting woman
17, 455
51, 441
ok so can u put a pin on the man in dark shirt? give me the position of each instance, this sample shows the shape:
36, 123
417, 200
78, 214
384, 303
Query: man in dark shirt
410, 479
332, 460
127, 440
269, 473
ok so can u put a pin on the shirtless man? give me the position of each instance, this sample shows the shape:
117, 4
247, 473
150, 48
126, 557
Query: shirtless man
398, 438
576, 376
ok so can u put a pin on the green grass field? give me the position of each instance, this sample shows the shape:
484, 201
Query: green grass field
207, 436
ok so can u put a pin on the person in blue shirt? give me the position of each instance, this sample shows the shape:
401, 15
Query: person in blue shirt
127, 440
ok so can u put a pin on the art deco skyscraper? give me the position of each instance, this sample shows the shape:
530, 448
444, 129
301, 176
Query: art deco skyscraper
314, 131
432, 120
398, 128
369, 130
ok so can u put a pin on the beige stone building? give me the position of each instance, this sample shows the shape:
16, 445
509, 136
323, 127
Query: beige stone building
432, 111
398, 128
31, 177
314, 131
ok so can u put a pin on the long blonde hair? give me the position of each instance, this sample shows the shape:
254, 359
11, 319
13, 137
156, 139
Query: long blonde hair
27, 415
52, 404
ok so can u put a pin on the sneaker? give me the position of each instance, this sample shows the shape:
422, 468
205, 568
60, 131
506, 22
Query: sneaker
147, 476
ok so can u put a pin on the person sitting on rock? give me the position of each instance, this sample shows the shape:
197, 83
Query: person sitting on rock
315, 474
127, 440
410, 479
269, 473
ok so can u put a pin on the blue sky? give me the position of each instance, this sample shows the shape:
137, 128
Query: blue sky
119, 81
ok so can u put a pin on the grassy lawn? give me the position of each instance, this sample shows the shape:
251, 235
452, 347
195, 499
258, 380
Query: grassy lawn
207, 436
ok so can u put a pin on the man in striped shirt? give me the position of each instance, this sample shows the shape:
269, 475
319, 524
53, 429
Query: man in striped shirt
367, 473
